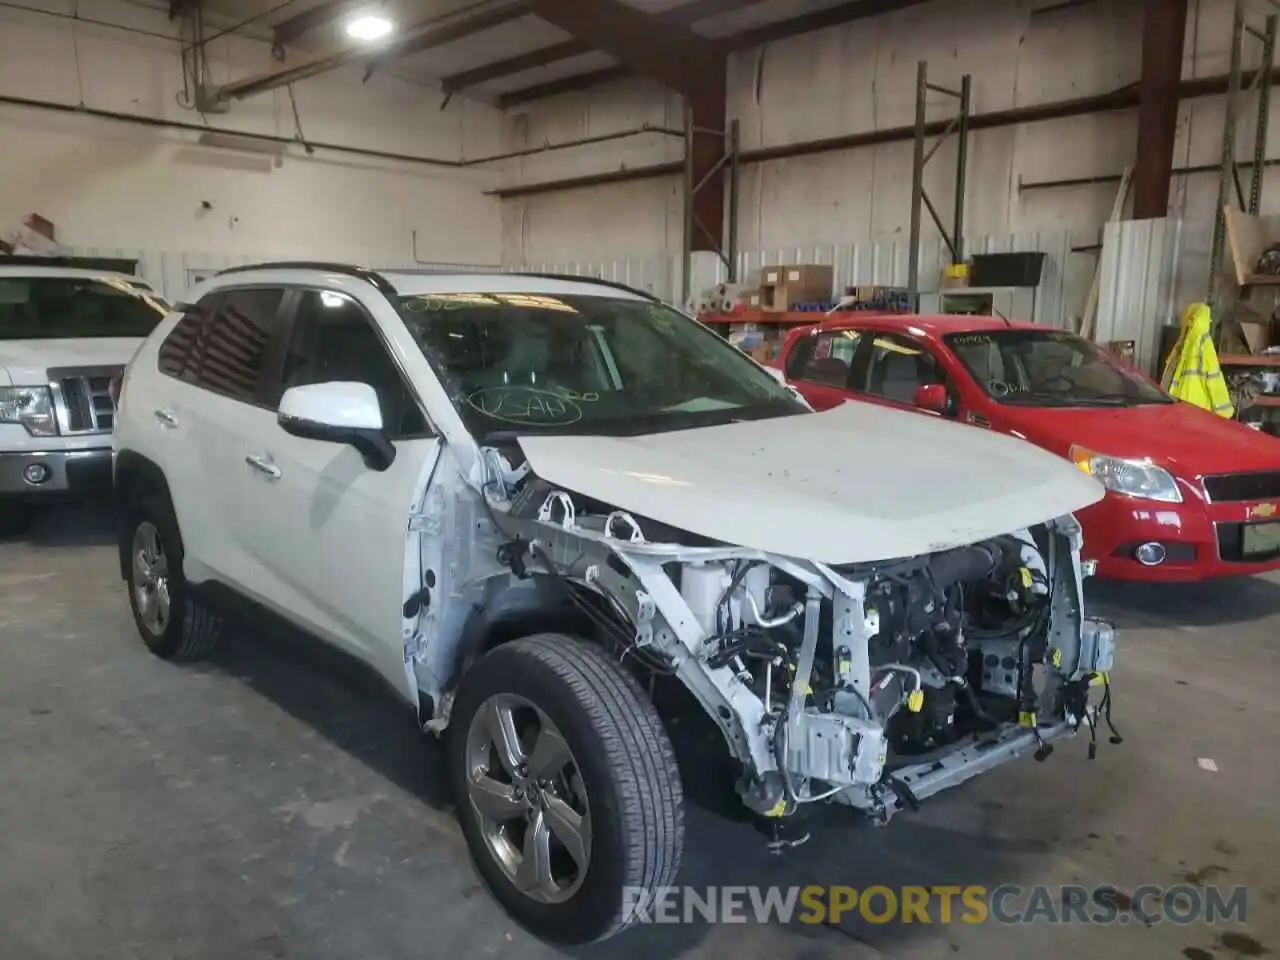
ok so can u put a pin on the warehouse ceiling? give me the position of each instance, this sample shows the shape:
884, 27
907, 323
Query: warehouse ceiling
501, 50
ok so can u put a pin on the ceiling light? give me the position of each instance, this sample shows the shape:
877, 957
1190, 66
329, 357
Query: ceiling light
369, 27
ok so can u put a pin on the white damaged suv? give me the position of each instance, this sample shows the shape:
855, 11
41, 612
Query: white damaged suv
528, 502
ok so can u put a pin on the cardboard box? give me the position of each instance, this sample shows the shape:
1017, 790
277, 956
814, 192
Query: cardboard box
1256, 335
41, 226
783, 286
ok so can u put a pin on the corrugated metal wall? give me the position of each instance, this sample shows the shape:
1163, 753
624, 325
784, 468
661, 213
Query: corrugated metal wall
658, 276
1138, 284
1149, 270
1061, 294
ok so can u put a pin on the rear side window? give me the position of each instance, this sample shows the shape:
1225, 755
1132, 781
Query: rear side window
177, 353
829, 359
53, 308
222, 343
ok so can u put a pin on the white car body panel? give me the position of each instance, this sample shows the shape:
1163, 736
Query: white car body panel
326, 539
162, 430
324, 544
856, 483
14, 439
27, 362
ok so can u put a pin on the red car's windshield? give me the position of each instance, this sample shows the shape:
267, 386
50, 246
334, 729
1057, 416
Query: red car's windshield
1049, 368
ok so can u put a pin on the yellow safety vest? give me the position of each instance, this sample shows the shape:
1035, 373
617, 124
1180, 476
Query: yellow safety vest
1192, 372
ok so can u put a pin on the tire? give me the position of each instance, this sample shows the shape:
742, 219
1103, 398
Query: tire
14, 517
189, 631
621, 771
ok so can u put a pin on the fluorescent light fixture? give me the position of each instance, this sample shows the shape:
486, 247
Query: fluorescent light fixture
369, 27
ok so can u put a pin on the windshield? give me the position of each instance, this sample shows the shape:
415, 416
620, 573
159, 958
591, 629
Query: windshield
51, 308
520, 363
1050, 368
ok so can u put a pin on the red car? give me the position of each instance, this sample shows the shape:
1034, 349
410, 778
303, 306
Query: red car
1190, 495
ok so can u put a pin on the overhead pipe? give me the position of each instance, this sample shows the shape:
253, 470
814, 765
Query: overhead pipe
248, 22
581, 142
1103, 178
200, 128
157, 123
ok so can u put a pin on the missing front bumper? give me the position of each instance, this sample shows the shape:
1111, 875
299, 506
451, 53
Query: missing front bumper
926, 779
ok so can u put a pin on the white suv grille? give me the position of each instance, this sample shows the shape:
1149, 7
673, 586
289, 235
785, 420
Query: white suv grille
82, 399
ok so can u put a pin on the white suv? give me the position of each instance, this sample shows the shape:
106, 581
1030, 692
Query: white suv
516, 497
65, 337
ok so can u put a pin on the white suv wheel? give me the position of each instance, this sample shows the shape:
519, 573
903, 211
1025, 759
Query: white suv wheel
151, 579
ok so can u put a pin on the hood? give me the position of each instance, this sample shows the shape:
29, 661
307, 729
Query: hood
855, 483
1181, 437
26, 362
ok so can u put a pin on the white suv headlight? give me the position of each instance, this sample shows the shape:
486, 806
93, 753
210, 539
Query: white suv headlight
1141, 479
30, 406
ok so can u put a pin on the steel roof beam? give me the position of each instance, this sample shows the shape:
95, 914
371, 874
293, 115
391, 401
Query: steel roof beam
288, 31
413, 40
682, 16
769, 33
679, 59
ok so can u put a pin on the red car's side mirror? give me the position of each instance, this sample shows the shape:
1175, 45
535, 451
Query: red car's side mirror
932, 396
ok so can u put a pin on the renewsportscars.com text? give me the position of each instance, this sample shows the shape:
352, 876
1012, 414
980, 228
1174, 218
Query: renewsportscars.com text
1005, 904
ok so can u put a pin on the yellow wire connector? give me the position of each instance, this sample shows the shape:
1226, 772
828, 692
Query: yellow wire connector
915, 701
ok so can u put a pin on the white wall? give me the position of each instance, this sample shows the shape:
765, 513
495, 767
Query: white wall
107, 184
861, 77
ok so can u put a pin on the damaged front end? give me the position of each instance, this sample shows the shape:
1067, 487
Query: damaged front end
872, 685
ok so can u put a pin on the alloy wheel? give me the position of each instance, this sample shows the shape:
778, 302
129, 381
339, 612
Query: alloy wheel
151, 578
527, 792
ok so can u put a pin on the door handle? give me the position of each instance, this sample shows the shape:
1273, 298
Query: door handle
167, 418
263, 465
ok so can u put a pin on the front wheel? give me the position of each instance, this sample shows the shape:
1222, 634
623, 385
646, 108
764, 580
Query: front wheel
566, 785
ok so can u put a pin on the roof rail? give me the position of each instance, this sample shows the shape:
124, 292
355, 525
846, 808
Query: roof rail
377, 280
580, 279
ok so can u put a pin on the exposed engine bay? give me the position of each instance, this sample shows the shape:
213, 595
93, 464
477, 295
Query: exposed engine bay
873, 685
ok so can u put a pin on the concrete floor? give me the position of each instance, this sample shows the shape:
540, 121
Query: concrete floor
267, 806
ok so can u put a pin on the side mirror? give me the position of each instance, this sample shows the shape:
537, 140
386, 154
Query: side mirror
932, 396
338, 412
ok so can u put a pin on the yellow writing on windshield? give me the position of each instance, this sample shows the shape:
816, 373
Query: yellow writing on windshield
434, 302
